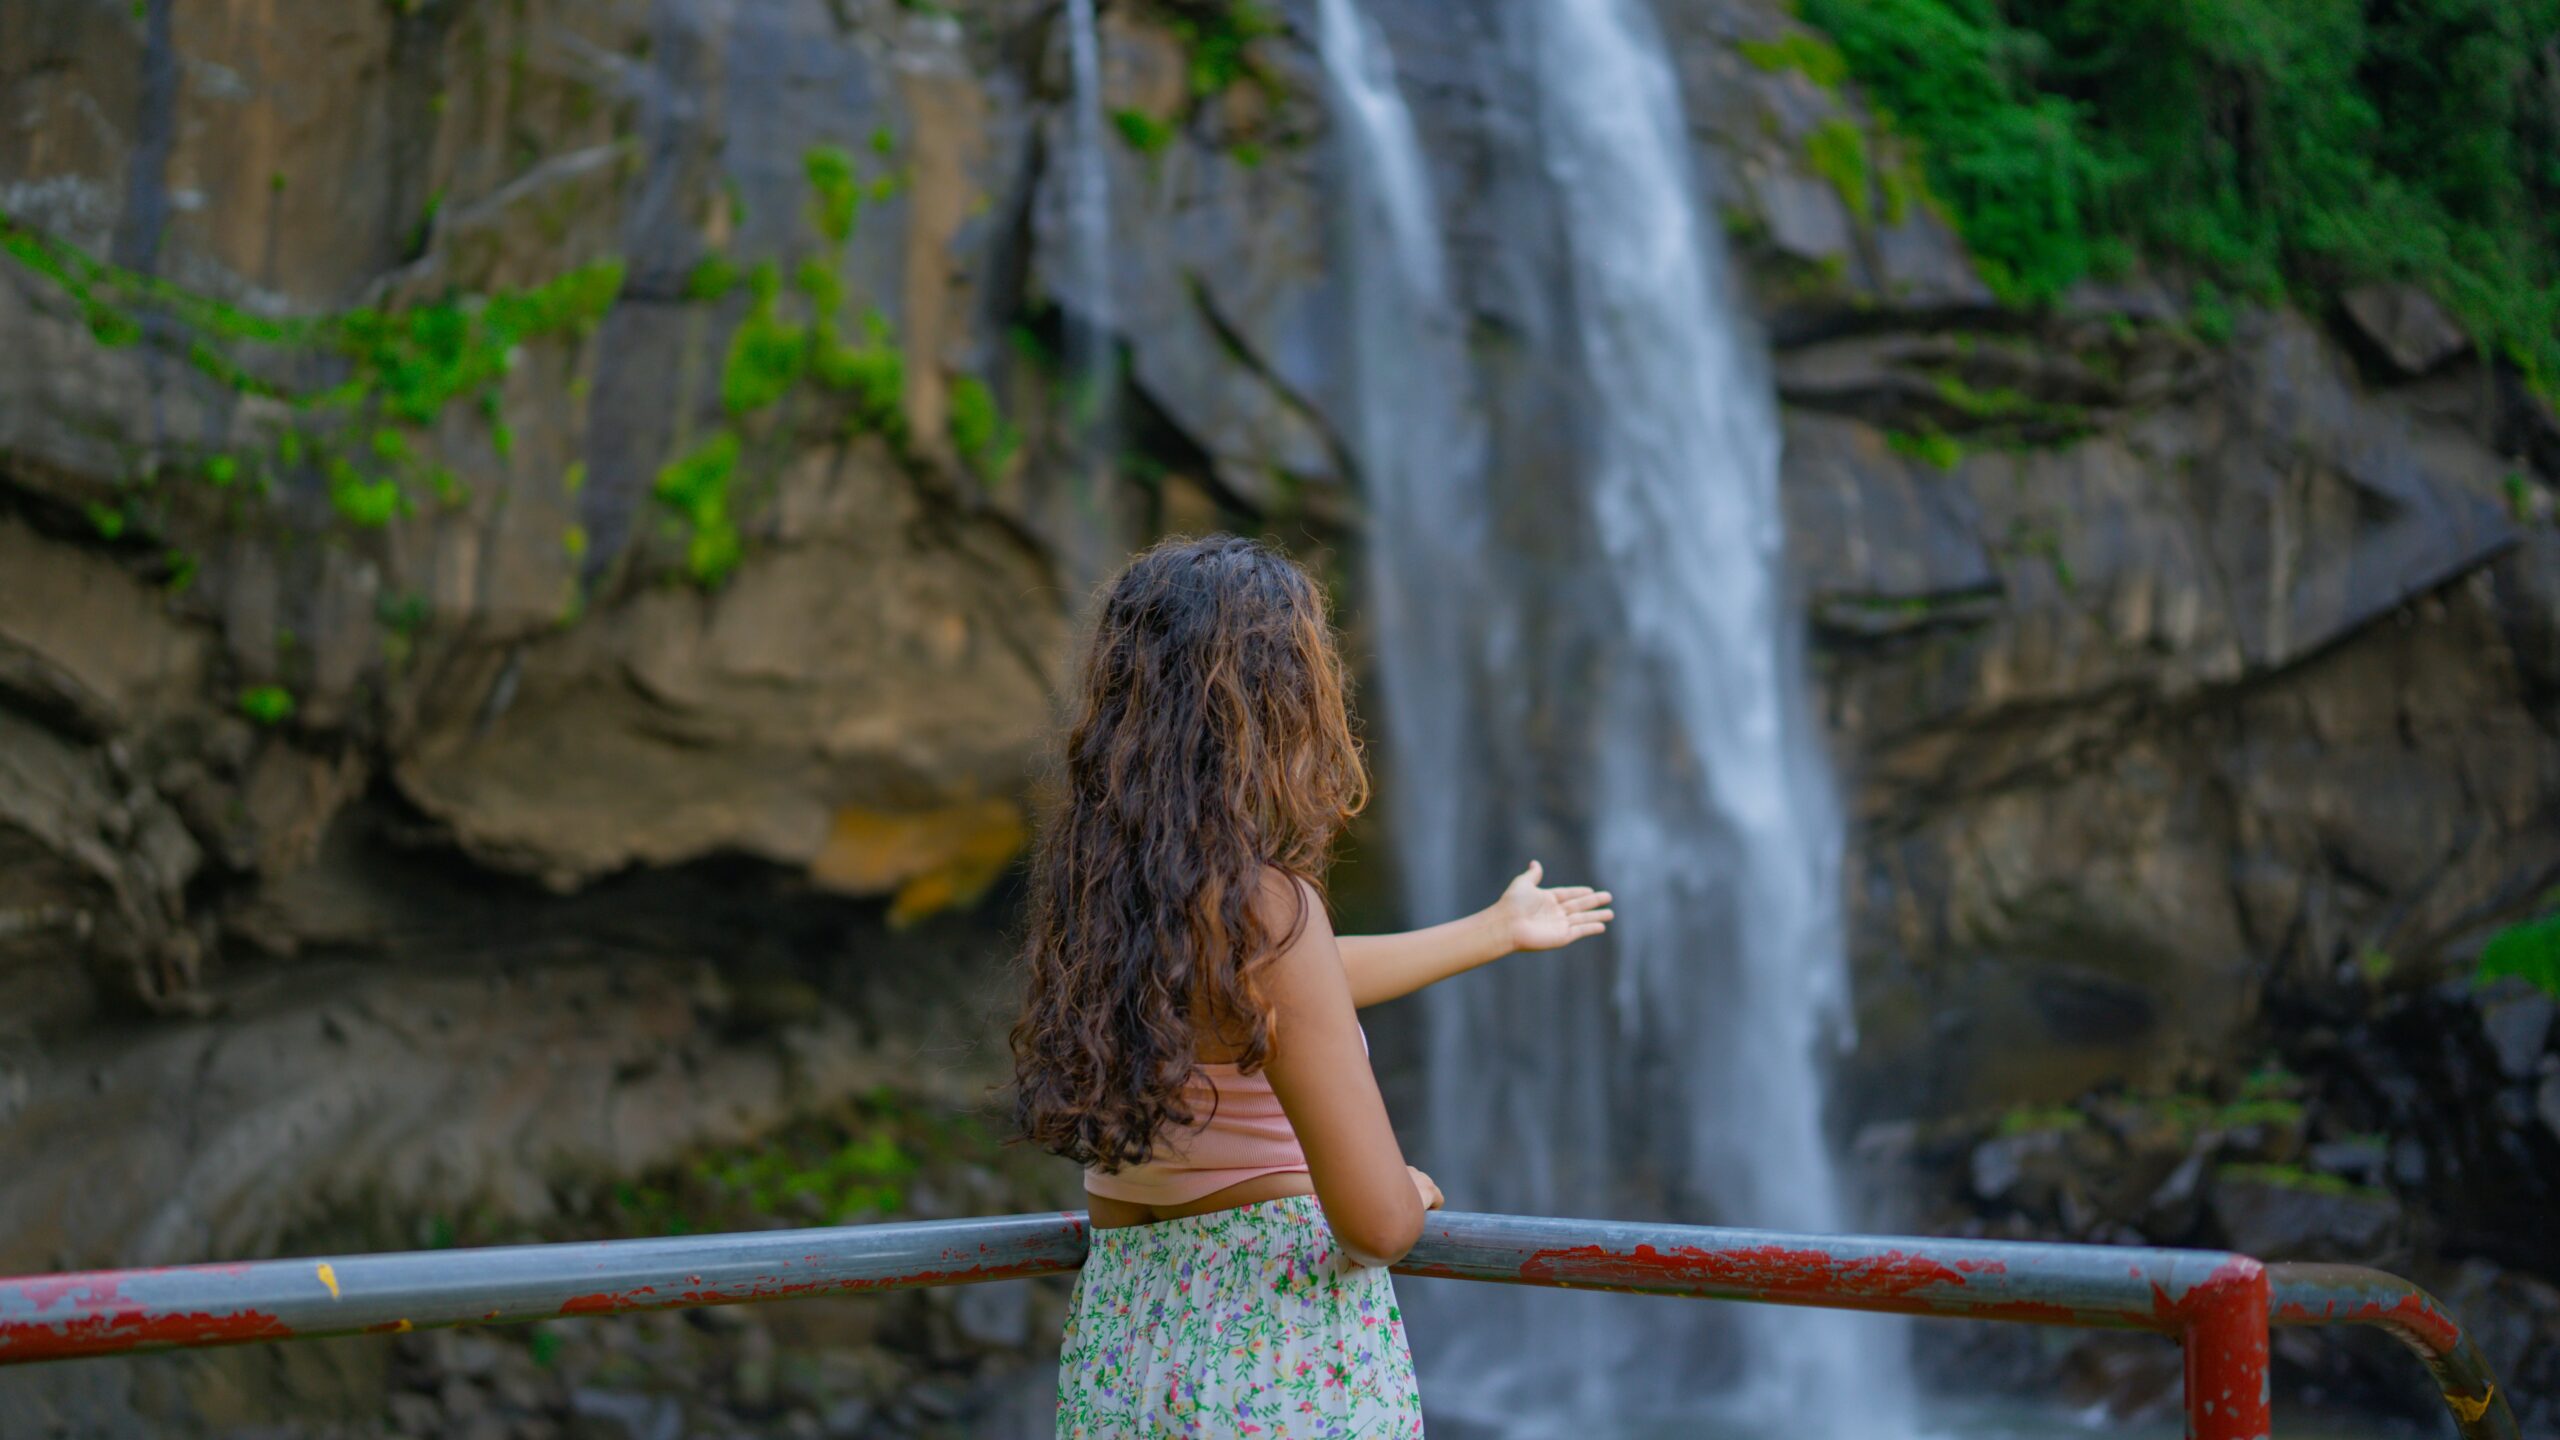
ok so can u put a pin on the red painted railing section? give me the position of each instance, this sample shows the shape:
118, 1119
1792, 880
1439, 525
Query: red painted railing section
2219, 1306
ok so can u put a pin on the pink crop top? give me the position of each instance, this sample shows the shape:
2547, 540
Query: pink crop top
1245, 1137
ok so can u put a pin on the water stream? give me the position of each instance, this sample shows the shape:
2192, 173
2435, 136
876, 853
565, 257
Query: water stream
1084, 529
1598, 661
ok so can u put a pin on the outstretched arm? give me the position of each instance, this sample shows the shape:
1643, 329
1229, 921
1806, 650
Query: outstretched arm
1526, 917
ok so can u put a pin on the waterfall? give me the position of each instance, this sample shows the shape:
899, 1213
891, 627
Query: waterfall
1597, 662
1088, 203
1089, 540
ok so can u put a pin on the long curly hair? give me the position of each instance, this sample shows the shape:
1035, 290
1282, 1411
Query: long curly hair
1210, 740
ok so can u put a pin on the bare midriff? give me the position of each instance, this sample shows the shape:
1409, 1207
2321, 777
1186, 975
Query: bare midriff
1107, 1213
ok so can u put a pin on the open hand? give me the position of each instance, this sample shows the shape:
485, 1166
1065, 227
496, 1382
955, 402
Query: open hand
1535, 918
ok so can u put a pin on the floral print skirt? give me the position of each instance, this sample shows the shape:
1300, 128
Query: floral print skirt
1239, 1322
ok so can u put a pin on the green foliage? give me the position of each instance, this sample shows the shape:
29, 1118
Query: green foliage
267, 704
767, 354
1218, 37
873, 371
2274, 147
696, 486
398, 371
861, 1179
982, 437
107, 520
1816, 58
1930, 447
1837, 150
366, 501
2210, 313
712, 278
1143, 132
835, 198
2294, 1177
2531, 950
402, 612
2035, 1120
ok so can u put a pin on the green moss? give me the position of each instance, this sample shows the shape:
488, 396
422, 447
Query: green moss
1247, 154
1930, 447
2519, 493
884, 142
2271, 1080
2034, 1120
402, 612
767, 356
1142, 132
2008, 411
836, 198
2209, 314
2530, 950
107, 520
1837, 151
696, 486
2294, 1177
363, 500
873, 371
818, 283
981, 436
1218, 39
712, 278
1810, 55
267, 704
2280, 1114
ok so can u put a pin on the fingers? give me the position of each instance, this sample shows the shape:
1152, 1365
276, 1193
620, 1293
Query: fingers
1535, 873
1589, 925
1582, 898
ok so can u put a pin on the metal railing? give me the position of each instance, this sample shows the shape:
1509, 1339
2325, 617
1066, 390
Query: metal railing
2219, 1306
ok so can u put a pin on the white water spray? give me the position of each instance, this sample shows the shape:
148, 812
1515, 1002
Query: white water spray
1088, 178
1079, 502
1602, 663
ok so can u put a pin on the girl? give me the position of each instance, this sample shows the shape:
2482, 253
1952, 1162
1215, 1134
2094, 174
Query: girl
1189, 1034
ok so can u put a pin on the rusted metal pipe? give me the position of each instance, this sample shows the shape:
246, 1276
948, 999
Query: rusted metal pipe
2306, 1294
2218, 1305
105, 1312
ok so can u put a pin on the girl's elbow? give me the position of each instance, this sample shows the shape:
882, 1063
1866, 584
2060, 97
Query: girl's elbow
1379, 1241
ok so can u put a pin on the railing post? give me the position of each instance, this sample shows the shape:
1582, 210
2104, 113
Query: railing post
2315, 1294
2226, 1344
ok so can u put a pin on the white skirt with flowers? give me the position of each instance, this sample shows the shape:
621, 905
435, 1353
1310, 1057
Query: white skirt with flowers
1242, 1322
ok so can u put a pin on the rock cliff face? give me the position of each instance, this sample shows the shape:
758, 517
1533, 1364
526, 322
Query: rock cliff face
532, 565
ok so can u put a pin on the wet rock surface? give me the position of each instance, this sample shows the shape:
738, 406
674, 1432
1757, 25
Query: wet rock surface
597, 806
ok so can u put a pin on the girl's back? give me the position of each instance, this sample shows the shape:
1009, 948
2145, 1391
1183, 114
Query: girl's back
1190, 1033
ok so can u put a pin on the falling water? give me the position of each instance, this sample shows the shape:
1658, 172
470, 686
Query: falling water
1079, 506
1088, 177
1599, 660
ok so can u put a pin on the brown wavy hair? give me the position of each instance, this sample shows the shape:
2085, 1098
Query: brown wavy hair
1210, 743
